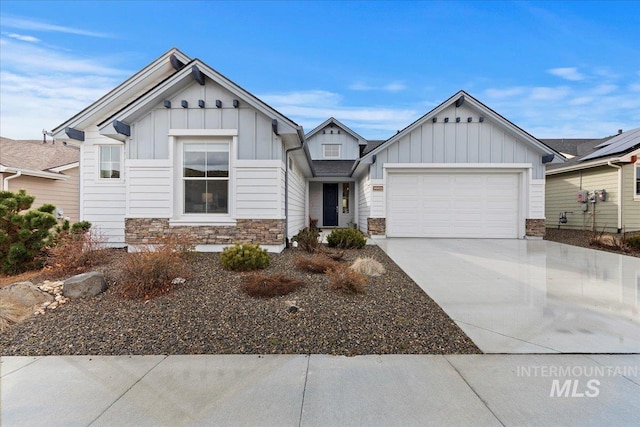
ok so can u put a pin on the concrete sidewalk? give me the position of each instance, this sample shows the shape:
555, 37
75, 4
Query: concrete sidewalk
300, 390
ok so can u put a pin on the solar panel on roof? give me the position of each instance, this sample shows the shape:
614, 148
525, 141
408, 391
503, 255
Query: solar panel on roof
618, 144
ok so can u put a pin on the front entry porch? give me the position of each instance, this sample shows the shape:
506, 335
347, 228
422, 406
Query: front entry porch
332, 204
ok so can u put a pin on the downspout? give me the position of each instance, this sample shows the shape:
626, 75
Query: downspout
286, 185
619, 194
6, 180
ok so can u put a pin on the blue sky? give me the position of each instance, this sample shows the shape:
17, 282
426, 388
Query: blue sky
556, 69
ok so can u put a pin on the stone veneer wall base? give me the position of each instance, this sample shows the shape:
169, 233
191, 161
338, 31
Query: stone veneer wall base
535, 228
149, 231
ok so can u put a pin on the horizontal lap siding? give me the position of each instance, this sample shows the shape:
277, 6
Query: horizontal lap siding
562, 195
258, 192
536, 199
364, 202
103, 201
630, 204
149, 191
297, 189
63, 194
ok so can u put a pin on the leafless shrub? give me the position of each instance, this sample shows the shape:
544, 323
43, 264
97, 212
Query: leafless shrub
318, 263
150, 271
261, 285
344, 279
75, 252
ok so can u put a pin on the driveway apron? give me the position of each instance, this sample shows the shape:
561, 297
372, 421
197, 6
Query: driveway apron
528, 296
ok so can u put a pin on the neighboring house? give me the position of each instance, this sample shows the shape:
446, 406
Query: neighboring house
48, 171
178, 147
575, 189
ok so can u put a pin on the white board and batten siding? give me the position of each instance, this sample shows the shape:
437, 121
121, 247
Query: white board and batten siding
256, 140
349, 146
463, 142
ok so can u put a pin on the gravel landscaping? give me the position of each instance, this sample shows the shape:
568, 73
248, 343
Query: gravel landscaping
583, 238
209, 314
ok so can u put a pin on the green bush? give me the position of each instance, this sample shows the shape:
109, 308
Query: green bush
244, 256
307, 239
634, 241
23, 235
346, 238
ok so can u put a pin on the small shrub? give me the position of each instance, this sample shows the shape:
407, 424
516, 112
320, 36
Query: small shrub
308, 239
75, 251
346, 238
318, 263
244, 257
267, 286
368, 266
608, 241
634, 241
344, 279
151, 270
23, 235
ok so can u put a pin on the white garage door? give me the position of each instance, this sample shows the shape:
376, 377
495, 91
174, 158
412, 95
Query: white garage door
437, 204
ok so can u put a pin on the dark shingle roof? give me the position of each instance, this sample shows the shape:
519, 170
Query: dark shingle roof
372, 145
333, 167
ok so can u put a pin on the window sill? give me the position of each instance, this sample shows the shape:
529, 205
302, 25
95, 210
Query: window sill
199, 221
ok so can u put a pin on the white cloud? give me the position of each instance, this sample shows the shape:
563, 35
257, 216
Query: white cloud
23, 38
310, 108
392, 87
549, 93
40, 88
567, 73
33, 25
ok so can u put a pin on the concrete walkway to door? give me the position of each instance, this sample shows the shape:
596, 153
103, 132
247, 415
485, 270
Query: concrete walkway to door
528, 296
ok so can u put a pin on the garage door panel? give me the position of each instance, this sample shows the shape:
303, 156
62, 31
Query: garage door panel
453, 205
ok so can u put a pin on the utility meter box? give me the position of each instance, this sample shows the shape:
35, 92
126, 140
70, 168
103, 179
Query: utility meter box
602, 195
582, 196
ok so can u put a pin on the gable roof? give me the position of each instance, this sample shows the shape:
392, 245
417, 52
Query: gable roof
334, 121
157, 70
462, 96
575, 146
182, 78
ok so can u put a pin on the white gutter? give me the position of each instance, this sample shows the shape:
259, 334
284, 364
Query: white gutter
6, 180
33, 172
619, 193
580, 166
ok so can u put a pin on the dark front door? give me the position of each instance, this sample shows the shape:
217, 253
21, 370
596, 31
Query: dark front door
330, 205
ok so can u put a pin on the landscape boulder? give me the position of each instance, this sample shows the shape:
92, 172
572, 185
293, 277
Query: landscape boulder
84, 285
23, 294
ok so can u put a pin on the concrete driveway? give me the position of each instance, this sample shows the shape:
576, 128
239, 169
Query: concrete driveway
528, 296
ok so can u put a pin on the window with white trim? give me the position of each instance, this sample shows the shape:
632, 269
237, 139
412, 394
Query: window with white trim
110, 161
205, 176
637, 180
331, 151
